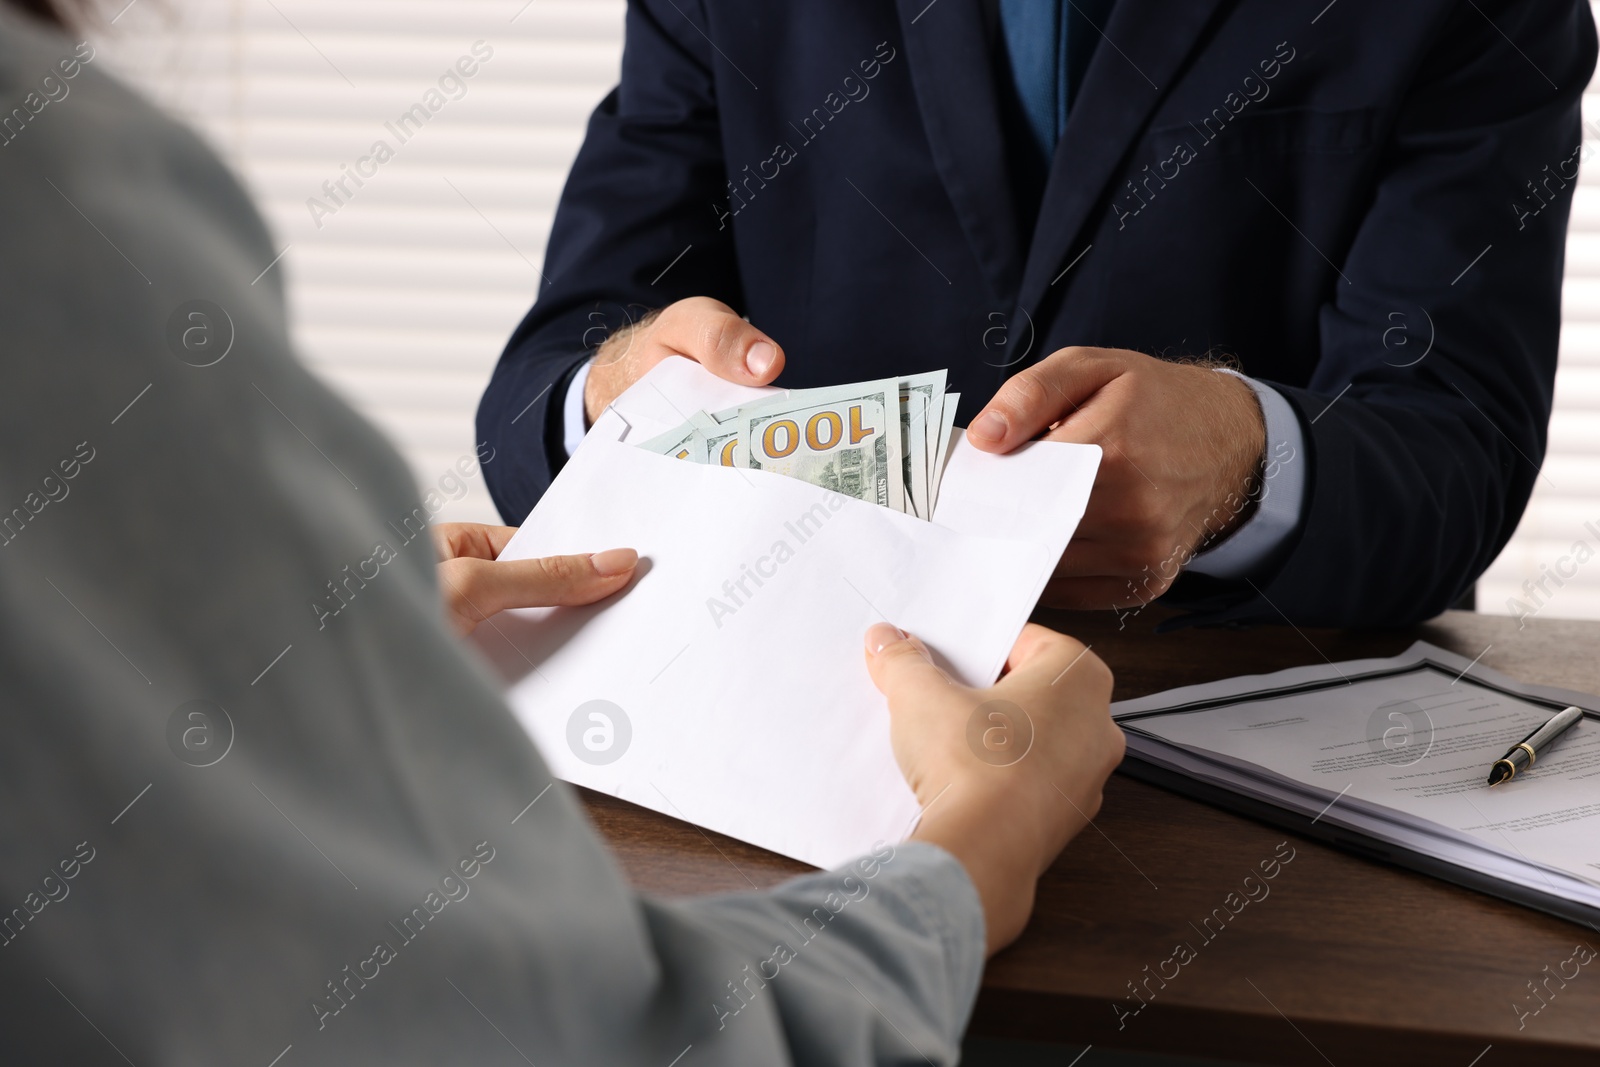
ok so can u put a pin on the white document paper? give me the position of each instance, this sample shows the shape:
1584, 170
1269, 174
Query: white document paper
735, 657
1400, 750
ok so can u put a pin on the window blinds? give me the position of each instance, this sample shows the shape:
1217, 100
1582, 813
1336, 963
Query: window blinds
402, 288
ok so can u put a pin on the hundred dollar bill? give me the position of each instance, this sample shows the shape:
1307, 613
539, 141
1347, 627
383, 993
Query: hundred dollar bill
947, 422
917, 394
926, 416
684, 442
844, 438
721, 432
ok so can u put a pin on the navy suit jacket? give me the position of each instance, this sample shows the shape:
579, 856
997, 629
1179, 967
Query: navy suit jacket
1365, 204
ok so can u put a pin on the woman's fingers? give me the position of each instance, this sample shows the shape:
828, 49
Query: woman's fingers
477, 588
1042, 657
900, 665
454, 540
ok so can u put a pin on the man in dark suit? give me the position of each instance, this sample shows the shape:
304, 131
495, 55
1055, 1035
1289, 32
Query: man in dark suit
1084, 209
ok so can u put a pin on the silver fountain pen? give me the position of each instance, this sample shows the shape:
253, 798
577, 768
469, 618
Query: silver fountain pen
1524, 752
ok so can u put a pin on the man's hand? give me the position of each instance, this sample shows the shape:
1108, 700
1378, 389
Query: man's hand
704, 330
1006, 776
475, 585
1182, 443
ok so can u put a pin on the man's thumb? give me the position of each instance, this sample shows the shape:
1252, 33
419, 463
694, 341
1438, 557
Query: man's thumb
711, 333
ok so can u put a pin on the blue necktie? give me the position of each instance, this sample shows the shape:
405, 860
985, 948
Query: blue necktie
1049, 43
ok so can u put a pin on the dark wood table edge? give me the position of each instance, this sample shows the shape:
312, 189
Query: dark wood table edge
1261, 1037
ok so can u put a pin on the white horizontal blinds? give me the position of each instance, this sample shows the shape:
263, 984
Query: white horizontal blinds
1566, 499
405, 294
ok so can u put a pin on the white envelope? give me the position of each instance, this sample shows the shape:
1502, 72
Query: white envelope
727, 685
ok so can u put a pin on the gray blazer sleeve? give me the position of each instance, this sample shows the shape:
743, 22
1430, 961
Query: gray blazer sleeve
260, 807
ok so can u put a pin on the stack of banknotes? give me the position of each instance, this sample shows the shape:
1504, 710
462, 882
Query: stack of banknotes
884, 442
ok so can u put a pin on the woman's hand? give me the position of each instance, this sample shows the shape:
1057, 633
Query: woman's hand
475, 585
1006, 776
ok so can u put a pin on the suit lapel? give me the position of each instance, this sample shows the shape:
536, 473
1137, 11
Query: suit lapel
1144, 46
948, 52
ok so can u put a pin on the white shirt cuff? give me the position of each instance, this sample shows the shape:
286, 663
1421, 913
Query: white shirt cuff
1283, 490
574, 419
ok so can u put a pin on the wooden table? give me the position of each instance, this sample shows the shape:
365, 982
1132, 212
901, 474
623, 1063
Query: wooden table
1346, 962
